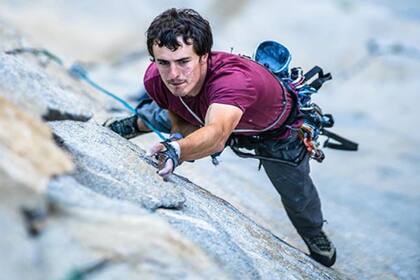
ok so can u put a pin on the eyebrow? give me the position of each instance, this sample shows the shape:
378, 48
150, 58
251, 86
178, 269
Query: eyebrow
163, 60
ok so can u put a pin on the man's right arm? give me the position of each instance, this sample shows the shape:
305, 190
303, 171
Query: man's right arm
220, 120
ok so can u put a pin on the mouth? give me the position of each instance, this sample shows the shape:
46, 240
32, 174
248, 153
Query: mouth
177, 83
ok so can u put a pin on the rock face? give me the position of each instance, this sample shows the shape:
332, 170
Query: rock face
28, 159
114, 167
32, 89
132, 242
29, 155
96, 207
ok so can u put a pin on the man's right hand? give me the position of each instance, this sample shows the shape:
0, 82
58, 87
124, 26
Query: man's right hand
167, 155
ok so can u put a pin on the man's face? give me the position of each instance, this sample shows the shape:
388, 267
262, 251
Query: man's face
182, 71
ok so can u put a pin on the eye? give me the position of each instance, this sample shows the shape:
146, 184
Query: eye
184, 61
162, 62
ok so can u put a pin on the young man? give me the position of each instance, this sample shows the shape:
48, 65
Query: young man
210, 96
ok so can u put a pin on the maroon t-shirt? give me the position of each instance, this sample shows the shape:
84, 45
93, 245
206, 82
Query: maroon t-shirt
232, 80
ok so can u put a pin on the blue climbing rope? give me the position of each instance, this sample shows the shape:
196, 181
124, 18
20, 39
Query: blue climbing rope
77, 71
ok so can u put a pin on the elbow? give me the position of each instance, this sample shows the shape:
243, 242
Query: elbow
219, 147
220, 144
220, 137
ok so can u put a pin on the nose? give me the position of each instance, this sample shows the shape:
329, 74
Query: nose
173, 71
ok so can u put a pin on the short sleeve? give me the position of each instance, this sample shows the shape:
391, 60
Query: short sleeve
232, 87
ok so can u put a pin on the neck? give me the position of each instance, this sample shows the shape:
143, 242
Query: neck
197, 89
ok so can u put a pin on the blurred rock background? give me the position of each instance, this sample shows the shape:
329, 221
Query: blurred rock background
371, 198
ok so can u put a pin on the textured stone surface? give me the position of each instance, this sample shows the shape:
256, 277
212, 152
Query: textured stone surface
17, 250
138, 247
243, 248
32, 89
94, 228
87, 228
68, 195
114, 167
64, 97
111, 165
29, 155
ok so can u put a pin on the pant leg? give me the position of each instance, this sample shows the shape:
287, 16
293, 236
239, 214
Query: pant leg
293, 183
158, 117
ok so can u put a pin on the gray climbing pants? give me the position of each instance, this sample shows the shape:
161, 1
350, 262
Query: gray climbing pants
293, 182
158, 117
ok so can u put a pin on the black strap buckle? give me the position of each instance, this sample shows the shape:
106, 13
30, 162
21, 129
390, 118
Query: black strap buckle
322, 78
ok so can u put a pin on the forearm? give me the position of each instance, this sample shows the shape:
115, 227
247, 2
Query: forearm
203, 142
220, 121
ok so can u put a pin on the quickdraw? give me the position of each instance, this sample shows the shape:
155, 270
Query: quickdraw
314, 120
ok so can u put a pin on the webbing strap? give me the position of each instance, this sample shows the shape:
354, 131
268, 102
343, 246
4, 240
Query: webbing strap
322, 78
343, 143
191, 111
241, 154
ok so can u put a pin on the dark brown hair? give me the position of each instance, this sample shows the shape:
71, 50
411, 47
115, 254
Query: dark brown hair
187, 23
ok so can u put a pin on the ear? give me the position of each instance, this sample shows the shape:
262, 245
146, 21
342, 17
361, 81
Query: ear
204, 58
